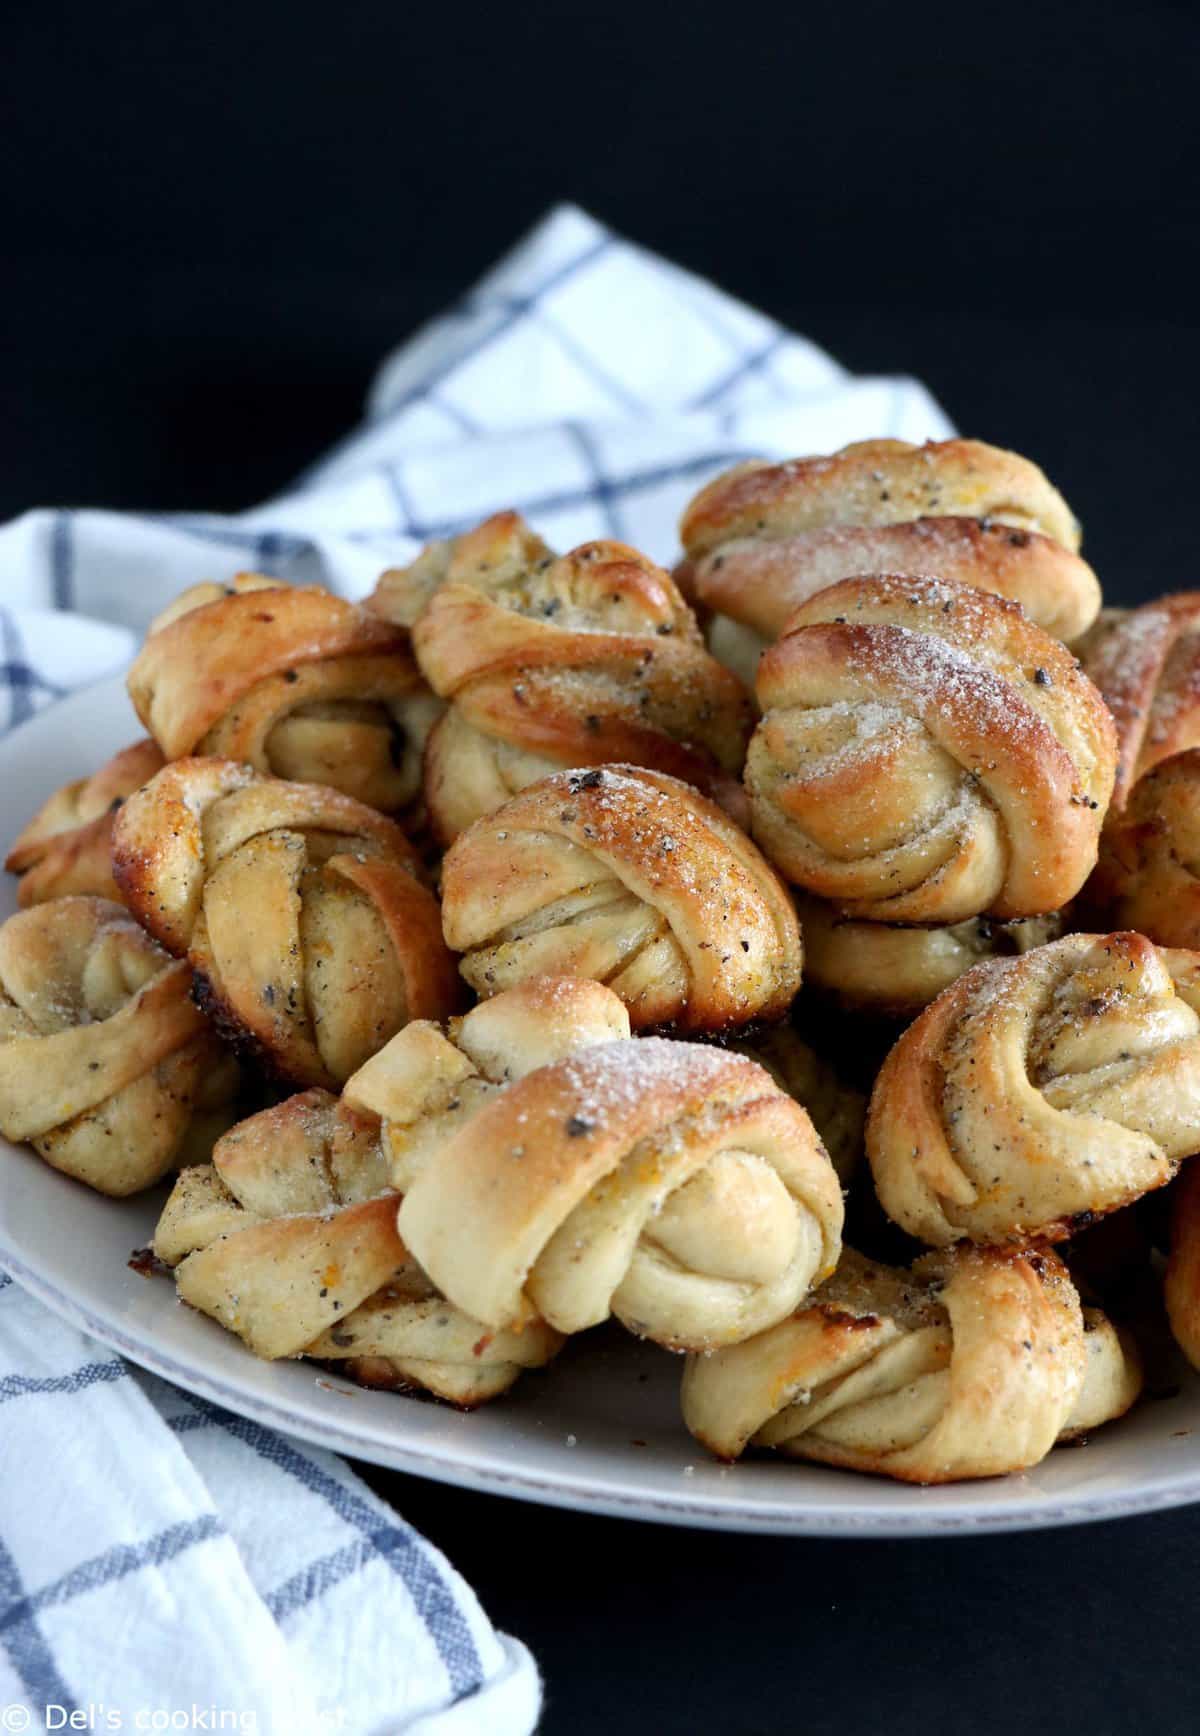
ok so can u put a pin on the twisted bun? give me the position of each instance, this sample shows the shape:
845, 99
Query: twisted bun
560, 662
67, 847
749, 560
1146, 877
764, 538
927, 754
759, 580
300, 910
1181, 1287
1146, 664
672, 1185
894, 970
635, 879
1038, 1093
290, 680
106, 1066
972, 1365
288, 1239
878, 482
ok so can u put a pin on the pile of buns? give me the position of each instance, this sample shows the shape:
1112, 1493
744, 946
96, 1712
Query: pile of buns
452, 952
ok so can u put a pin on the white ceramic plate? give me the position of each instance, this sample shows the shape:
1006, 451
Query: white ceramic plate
600, 1430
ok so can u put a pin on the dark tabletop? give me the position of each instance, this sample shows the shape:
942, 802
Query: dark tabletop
217, 220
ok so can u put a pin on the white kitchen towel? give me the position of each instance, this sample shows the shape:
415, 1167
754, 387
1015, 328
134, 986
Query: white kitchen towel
158, 1555
165, 1565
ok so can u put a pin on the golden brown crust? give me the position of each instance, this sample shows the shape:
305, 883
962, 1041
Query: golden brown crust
428, 1081
927, 754
291, 680
1113, 1376
1181, 1288
1146, 663
972, 1365
760, 579
632, 878
300, 910
1038, 1093
1148, 874
571, 1176
608, 1141
67, 847
895, 970
288, 1238
104, 1060
876, 482
550, 662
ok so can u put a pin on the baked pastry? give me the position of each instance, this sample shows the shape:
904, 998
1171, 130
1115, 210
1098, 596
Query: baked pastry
878, 482
1147, 874
763, 538
836, 1110
67, 847
632, 878
894, 969
106, 1065
299, 909
291, 680
427, 1086
753, 583
927, 754
1146, 664
288, 1238
555, 662
973, 1364
1039, 1093
670, 1184
1181, 1285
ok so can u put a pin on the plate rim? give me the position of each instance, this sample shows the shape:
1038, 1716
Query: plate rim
575, 1494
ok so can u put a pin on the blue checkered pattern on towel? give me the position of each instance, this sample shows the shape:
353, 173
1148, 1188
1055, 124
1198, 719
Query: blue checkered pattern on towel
156, 1552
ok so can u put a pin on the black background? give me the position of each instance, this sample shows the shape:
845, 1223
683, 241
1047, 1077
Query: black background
217, 218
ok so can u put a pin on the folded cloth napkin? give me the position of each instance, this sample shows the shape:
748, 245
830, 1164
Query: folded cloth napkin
157, 1554
163, 1560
